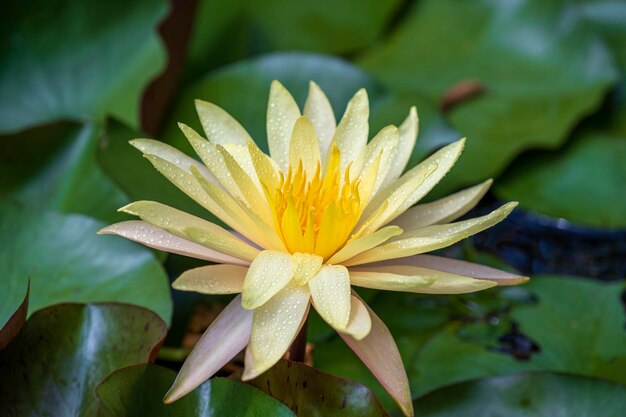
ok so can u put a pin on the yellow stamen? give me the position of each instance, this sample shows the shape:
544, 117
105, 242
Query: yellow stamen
317, 214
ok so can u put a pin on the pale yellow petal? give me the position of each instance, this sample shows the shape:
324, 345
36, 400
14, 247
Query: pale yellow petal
219, 126
305, 266
241, 154
429, 238
213, 160
282, 113
413, 185
253, 197
382, 146
267, 172
244, 220
274, 327
352, 131
363, 243
416, 279
443, 210
360, 322
303, 148
330, 292
192, 228
157, 238
318, 109
408, 136
458, 267
212, 279
269, 272
381, 280
171, 155
187, 182
372, 219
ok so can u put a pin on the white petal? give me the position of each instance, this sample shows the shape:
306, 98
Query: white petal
303, 148
382, 279
360, 322
269, 272
413, 185
170, 154
282, 113
226, 337
455, 266
408, 136
352, 131
443, 210
318, 109
430, 238
330, 292
363, 243
274, 328
212, 279
305, 266
192, 228
157, 238
379, 353
219, 126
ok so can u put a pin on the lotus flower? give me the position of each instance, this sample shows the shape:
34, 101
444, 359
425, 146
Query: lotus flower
324, 212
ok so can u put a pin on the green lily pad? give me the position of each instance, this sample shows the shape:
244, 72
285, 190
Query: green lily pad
310, 392
54, 167
54, 365
139, 390
250, 27
540, 68
578, 325
76, 60
583, 182
526, 396
67, 261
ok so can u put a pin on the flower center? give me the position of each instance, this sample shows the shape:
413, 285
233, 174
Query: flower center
316, 214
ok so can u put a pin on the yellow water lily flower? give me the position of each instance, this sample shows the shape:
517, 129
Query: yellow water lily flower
325, 211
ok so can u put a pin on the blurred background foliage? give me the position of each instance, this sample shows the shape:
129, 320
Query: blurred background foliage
537, 87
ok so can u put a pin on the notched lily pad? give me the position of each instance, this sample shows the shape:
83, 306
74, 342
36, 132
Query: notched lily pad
139, 390
54, 364
67, 261
309, 392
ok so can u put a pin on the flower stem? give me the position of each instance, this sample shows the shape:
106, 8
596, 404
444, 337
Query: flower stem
298, 347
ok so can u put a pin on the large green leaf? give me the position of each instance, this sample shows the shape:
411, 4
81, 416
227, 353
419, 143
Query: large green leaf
63, 352
583, 182
66, 261
54, 166
252, 27
309, 392
76, 59
139, 390
578, 325
540, 66
526, 396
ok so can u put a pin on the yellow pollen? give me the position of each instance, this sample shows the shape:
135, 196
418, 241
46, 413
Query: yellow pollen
317, 214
